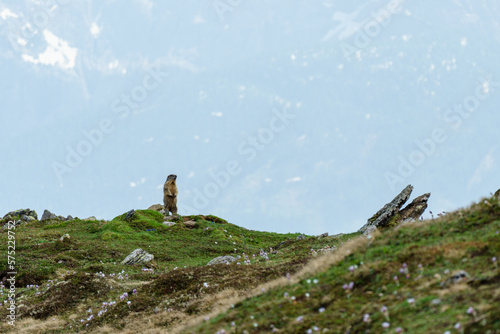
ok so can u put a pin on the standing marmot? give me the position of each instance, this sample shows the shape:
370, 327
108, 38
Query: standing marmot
170, 195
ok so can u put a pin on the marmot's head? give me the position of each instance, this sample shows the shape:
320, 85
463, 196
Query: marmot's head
171, 177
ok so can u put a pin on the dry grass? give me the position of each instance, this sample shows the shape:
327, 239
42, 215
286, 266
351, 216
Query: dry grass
312, 267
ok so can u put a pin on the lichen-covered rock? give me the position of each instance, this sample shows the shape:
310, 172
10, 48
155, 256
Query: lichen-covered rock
222, 259
27, 219
20, 213
415, 209
48, 215
138, 256
391, 214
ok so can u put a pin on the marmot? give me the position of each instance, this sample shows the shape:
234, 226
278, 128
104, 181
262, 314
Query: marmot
170, 195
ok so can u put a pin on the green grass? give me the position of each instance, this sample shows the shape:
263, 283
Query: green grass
89, 263
430, 252
82, 273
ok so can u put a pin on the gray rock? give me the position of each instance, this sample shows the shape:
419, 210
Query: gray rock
130, 214
17, 213
64, 237
61, 218
21, 212
369, 230
415, 209
157, 207
171, 217
301, 237
33, 214
190, 223
138, 256
392, 213
48, 215
167, 223
90, 219
222, 259
70, 217
324, 235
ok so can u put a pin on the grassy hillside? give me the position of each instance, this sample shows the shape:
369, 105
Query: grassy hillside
398, 281
79, 284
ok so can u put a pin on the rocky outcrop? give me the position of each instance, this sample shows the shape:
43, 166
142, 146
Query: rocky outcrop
23, 214
222, 259
415, 209
47, 215
392, 215
138, 256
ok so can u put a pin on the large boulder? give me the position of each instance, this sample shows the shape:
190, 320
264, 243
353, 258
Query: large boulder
138, 256
392, 215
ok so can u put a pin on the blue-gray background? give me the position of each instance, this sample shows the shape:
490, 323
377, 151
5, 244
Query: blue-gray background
359, 106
